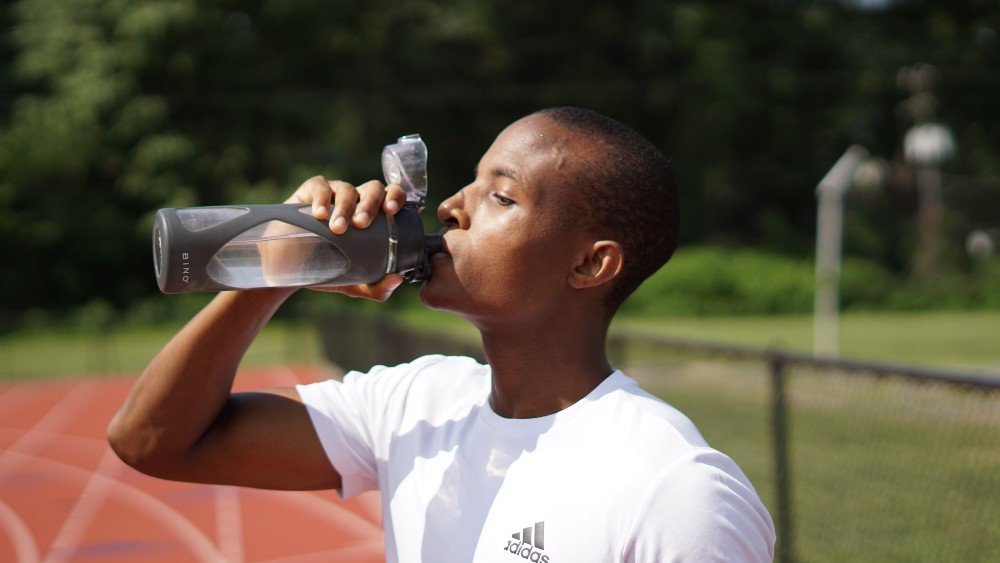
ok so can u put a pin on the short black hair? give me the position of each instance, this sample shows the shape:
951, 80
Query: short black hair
629, 194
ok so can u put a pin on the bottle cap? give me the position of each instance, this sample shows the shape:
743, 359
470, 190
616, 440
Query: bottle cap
405, 163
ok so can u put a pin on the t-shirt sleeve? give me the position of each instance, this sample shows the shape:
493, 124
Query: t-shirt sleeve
701, 508
350, 418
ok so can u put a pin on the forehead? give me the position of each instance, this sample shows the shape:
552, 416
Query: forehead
539, 151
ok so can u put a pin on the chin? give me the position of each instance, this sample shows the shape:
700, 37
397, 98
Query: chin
440, 297
433, 297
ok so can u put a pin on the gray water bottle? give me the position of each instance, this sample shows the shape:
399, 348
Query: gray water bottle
258, 246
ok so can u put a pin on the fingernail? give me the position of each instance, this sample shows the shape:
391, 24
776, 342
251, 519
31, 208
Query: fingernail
391, 205
361, 218
340, 223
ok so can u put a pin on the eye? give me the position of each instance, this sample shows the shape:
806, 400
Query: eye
504, 201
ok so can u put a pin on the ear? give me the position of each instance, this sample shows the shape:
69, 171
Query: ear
598, 265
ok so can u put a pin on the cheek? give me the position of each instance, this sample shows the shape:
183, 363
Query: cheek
505, 266
514, 265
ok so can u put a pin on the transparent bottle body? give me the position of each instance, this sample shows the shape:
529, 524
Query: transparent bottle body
197, 219
277, 254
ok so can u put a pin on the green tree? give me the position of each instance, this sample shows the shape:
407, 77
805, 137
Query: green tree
113, 108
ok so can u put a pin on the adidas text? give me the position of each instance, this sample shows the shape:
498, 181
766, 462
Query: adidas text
523, 546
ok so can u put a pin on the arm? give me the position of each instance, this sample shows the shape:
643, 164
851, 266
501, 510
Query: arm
181, 422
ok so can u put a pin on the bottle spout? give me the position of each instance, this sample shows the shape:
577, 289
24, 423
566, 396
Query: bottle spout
432, 245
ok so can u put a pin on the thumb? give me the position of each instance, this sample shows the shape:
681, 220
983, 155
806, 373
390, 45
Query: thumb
379, 291
384, 288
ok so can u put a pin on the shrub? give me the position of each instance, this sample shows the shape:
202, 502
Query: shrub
708, 280
726, 281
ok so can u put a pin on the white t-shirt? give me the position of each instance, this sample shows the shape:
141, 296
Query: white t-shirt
618, 476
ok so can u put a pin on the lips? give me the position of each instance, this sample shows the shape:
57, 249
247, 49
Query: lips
443, 257
445, 249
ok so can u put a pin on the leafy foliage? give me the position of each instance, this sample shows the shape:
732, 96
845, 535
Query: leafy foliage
728, 281
113, 108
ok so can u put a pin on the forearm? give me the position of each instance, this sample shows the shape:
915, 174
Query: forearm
184, 388
180, 421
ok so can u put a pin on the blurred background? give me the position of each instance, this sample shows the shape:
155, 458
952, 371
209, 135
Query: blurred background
111, 109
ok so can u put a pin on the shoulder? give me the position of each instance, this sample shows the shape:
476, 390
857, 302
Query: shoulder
694, 502
427, 387
388, 399
656, 412
701, 507
434, 373
638, 420
434, 364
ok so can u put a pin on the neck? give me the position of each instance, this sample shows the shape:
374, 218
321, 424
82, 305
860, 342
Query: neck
544, 368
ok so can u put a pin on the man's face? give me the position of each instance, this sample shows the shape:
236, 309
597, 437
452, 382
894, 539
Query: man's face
511, 239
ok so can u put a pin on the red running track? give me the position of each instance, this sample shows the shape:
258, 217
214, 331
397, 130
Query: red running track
65, 496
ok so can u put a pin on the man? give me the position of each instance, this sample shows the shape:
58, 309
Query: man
547, 453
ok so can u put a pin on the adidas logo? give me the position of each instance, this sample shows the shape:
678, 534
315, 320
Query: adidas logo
523, 545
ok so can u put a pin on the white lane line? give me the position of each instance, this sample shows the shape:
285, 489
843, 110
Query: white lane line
229, 522
25, 546
54, 436
321, 507
346, 553
12, 391
40, 433
83, 512
337, 516
30, 441
184, 529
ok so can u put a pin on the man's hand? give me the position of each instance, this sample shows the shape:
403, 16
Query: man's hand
355, 206
182, 421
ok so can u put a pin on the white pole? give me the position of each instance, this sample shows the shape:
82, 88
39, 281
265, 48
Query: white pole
927, 146
829, 233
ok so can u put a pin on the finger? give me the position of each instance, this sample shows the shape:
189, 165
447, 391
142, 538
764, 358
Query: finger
384, 288
319, 195
395, 198
345, 197
379, 291
372, 193
307, 191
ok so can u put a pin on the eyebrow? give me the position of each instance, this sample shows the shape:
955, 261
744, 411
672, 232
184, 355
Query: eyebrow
502, 172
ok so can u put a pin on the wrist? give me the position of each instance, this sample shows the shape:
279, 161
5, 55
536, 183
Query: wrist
265, 299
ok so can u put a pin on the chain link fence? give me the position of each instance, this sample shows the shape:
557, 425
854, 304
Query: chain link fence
857, 461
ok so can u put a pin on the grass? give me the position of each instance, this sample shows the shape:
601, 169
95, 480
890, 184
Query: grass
961, 339
77, 353
420, 318
968, 339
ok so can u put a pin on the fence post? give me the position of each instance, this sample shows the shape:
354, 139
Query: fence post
782, 479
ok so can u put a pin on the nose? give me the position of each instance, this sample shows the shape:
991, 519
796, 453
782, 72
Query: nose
452, 212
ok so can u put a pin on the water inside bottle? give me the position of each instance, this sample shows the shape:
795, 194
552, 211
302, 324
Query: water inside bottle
277, 254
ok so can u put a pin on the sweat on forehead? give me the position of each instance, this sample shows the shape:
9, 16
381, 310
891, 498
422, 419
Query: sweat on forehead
535, 133
538, 145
